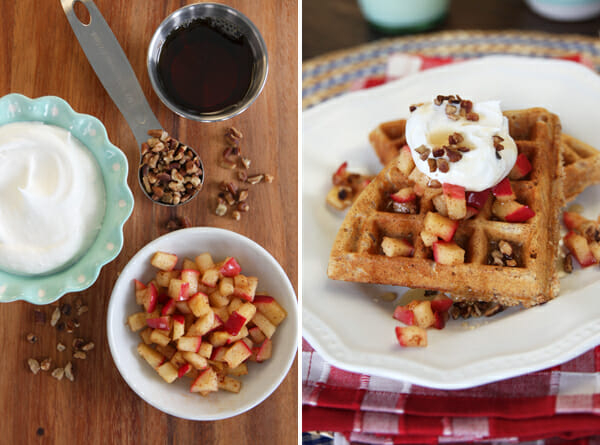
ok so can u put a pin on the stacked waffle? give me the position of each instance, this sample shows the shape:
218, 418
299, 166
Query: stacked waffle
369, 244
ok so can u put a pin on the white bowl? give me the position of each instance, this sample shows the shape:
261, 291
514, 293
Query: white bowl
176, 399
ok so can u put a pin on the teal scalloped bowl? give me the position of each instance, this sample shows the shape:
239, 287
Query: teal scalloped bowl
81, 274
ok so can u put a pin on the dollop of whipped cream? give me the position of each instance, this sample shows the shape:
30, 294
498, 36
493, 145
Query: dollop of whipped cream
52, 198
479, 168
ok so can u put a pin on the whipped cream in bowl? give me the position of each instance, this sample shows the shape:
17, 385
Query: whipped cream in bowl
458, 142
64, 199
53, 198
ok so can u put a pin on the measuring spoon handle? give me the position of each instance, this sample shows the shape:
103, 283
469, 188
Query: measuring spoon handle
112, 68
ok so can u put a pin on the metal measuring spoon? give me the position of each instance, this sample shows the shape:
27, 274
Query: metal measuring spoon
118, 78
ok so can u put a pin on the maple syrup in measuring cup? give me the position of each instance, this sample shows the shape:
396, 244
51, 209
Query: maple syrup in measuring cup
209, 67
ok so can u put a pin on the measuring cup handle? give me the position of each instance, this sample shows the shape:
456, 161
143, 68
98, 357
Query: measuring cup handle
112, 68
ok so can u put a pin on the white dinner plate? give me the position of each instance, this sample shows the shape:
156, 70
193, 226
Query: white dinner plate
350, 326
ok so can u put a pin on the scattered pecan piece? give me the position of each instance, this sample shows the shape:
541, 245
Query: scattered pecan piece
69, 372
221, 209
45, 364
31, 338
55, 317
255, 179
58, 373
34, 365
60, 347
88, 346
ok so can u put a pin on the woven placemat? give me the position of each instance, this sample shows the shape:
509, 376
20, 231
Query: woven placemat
333, 74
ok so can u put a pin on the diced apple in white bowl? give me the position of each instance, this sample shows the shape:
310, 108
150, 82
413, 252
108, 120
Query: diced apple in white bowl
187, 321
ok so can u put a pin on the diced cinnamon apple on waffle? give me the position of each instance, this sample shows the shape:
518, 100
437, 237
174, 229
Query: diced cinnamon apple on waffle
410, 230
346, 187
583, 238
204, 322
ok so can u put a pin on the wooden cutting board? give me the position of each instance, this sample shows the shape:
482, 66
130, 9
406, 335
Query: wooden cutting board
40, 56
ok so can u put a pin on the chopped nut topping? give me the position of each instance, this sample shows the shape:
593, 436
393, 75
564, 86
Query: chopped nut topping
497, 258
455, 138
511, 263
242, 176
243, 195
451, 109
31, 338
243, 207
423, 152
443, 166
453, 156
472, 116
432, 165
453, 117
236, 215
468, 309
82, 310
568, 263
435, 184
55, 317
269, 178
463, 149
58, 373
34, 365
412, 108
246, 163
438, 152
60, 347
505, 248
80, 355
78, 343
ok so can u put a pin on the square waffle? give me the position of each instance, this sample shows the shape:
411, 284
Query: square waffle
581, 161
357, 253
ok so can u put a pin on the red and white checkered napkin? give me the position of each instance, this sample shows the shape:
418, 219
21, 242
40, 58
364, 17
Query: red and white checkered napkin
557, 405
561, 403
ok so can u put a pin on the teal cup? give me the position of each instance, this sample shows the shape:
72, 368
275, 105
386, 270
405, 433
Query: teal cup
403, 16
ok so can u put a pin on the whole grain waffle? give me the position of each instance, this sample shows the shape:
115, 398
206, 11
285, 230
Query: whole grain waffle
357, 254
581, 161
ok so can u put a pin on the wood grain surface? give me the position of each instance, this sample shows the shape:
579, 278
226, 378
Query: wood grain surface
39, 56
